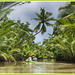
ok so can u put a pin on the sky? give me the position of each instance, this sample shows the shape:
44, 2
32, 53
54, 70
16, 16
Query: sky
26, 12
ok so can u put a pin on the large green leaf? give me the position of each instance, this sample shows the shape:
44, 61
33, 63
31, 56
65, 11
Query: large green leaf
11, 58
4, 55
73, 47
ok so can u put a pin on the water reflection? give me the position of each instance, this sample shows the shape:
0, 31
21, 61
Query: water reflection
43, 66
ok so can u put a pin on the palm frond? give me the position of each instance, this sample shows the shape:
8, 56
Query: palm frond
37, 19
42, 12
4, 55
47, 15
39, 16
11, 58
48, 24
73, 48
37, 27
16, 50
43, 29
49, 19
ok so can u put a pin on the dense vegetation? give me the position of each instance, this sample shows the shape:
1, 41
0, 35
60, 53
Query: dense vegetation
17, 39
62, 43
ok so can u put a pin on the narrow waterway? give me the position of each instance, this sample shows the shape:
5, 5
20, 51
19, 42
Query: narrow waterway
42, 66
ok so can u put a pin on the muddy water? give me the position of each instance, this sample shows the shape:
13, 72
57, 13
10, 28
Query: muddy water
43, 66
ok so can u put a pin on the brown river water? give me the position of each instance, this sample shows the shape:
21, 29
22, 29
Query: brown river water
42, 66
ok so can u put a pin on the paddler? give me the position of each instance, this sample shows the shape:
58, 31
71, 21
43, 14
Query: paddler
30, 58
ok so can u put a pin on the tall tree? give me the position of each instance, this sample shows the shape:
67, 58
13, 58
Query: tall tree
43, 18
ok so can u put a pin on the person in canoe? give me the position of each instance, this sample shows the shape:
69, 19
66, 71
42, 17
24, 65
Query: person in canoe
29, 59
34, 58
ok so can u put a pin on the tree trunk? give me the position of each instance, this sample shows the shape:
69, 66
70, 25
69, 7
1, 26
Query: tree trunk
27, 38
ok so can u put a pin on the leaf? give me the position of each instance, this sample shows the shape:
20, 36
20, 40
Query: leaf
16, 50
43, 29
39, 16
4, 55
50, 19
47, 15
48, 24
37, 27
42, 12
73, 48
12, 58
37, 19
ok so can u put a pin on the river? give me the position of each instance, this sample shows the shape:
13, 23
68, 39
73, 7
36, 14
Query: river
42, 66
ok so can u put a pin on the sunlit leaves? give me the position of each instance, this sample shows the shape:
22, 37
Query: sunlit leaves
6, 27
65, 44
64, 25
73, 47
11, 34
68, 29
6, 57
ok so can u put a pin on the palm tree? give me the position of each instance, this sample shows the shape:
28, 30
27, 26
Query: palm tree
43, 18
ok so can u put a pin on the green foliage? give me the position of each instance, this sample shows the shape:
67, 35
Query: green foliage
62, 42
66, 10
6, 57
16, 38
65, 45
65, 25
11, 34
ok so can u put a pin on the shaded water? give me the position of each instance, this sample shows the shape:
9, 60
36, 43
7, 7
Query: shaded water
43, 66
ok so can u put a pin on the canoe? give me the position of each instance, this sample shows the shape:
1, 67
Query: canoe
30, 62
